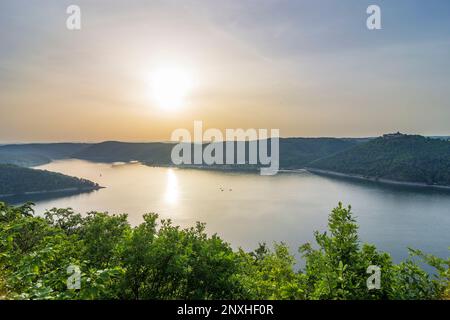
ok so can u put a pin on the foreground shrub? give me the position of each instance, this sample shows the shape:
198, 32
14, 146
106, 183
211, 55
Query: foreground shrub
162, 261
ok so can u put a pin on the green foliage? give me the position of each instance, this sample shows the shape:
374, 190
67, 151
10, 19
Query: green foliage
157, 260
337, 270
443, 270
271, 275
103, 237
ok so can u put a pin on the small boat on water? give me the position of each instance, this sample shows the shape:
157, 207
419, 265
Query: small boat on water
121, 163
118, 163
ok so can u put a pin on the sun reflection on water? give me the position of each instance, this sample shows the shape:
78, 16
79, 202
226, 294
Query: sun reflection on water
172, 193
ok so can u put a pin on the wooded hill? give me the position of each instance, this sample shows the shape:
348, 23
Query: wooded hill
399, 157
15, 180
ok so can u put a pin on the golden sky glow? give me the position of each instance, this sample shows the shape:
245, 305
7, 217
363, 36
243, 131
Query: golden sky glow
137, 71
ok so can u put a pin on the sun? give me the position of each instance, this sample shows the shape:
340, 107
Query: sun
170, 87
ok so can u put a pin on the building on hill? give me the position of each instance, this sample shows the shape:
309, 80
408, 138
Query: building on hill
393, 135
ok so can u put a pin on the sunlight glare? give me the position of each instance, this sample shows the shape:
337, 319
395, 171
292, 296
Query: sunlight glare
170, 87
171, 194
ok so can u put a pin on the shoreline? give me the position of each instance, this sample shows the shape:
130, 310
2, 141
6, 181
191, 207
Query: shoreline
80, 190
244, 169
313, 171
379, 180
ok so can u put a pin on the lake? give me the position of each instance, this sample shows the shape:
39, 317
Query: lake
246, 208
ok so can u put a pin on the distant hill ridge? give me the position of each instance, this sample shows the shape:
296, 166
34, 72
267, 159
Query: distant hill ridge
113, 151
35, 154
294, 152
399, 157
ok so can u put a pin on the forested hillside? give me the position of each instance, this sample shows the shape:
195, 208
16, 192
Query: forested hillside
409, 158
15, 180
297, 152
294, 152
34, 154
112, 151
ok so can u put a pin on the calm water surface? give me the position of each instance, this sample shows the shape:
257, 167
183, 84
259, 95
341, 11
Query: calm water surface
287, 207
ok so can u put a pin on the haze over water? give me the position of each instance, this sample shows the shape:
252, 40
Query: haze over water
251, 208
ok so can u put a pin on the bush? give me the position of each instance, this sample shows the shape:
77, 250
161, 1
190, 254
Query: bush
163, 261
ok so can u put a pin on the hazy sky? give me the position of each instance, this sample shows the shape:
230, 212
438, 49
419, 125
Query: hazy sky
309, 68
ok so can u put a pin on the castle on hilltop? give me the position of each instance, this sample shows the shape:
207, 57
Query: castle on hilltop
393, 135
